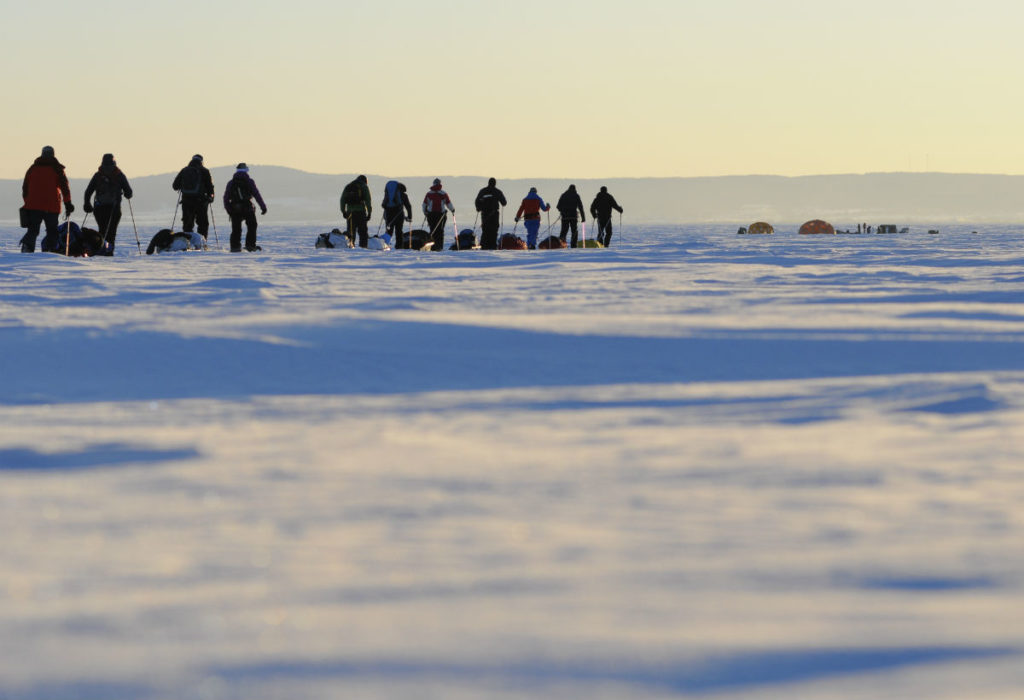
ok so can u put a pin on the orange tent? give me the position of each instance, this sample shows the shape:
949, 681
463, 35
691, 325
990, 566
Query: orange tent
760, 227
817, 226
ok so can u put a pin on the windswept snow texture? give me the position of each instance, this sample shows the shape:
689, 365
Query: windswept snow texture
694, 465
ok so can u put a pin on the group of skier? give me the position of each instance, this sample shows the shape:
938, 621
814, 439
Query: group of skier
357, 207
45, 189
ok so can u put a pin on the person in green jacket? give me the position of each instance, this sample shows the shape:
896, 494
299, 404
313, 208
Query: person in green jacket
356, 207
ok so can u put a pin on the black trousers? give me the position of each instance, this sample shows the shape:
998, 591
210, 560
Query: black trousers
490, 222
249, 217
36, 218
394, 217
604, 231
357, 224
566, 225
436, 221
194, 216
108, 216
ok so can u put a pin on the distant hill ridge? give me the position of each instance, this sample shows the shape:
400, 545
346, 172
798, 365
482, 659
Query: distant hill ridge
298, 197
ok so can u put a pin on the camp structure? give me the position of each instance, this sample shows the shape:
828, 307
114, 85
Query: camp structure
760, 227
817, 226
886, 228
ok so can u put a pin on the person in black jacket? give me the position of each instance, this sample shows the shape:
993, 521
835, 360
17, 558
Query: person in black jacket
568, 204
196, 186
103, 199
489, 202
601, 210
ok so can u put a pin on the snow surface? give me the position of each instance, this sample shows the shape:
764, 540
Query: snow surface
693, 465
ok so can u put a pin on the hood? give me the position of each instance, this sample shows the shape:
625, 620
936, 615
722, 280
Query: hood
435, 188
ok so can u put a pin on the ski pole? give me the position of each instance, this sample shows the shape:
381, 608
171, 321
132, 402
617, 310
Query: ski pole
175, 217
213, 220
380, 224
583, 226
621, 239
84, 219
455, 226
67, 235
106, 230
134, 228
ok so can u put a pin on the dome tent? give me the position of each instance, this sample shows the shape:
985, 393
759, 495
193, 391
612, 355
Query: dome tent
817, 226
760, 227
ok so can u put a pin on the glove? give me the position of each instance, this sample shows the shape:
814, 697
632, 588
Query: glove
517, 219
263, 211
69, 208
210, 199
87, 207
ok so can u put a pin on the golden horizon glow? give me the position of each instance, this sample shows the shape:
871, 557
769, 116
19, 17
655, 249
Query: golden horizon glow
574, 89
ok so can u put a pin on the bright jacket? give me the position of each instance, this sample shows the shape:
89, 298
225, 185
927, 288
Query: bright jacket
45, 185
436, 201
531, 207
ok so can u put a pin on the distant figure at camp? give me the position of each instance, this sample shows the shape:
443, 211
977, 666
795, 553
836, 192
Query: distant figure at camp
195, 184
489, 202
238, 197
356, 207
568, 205
601, 211
435, 203
396, 199
103, 198
44, 188
529, 212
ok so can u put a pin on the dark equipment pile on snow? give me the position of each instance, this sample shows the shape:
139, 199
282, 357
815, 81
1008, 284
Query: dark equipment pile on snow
552, 243
510, 241
466, 241
82, 242
421, 240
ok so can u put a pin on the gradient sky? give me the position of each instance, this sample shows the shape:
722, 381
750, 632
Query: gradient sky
519, 89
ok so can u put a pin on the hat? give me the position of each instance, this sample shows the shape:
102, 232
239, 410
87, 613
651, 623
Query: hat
437, 181
243, 167
108, 157
47, 150
604, 189
492, 182
533, 190
197, 157
362, 179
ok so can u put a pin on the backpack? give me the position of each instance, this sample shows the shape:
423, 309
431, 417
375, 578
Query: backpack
353, 196
238, 194
108, 190
191, 181
392, 195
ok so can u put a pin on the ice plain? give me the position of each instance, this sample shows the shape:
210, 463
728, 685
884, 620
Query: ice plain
695, 464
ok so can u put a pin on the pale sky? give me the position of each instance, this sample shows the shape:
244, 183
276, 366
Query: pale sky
557, 88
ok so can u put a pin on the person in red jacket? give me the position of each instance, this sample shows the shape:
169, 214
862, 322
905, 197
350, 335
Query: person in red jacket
530, 210
43, 190
434, 205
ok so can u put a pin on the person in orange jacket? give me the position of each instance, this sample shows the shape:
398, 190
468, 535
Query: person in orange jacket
44, 188
529, 211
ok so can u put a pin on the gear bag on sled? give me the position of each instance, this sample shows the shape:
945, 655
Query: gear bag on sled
335, 239
465, 241
421, 240
166, 241
510, 241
